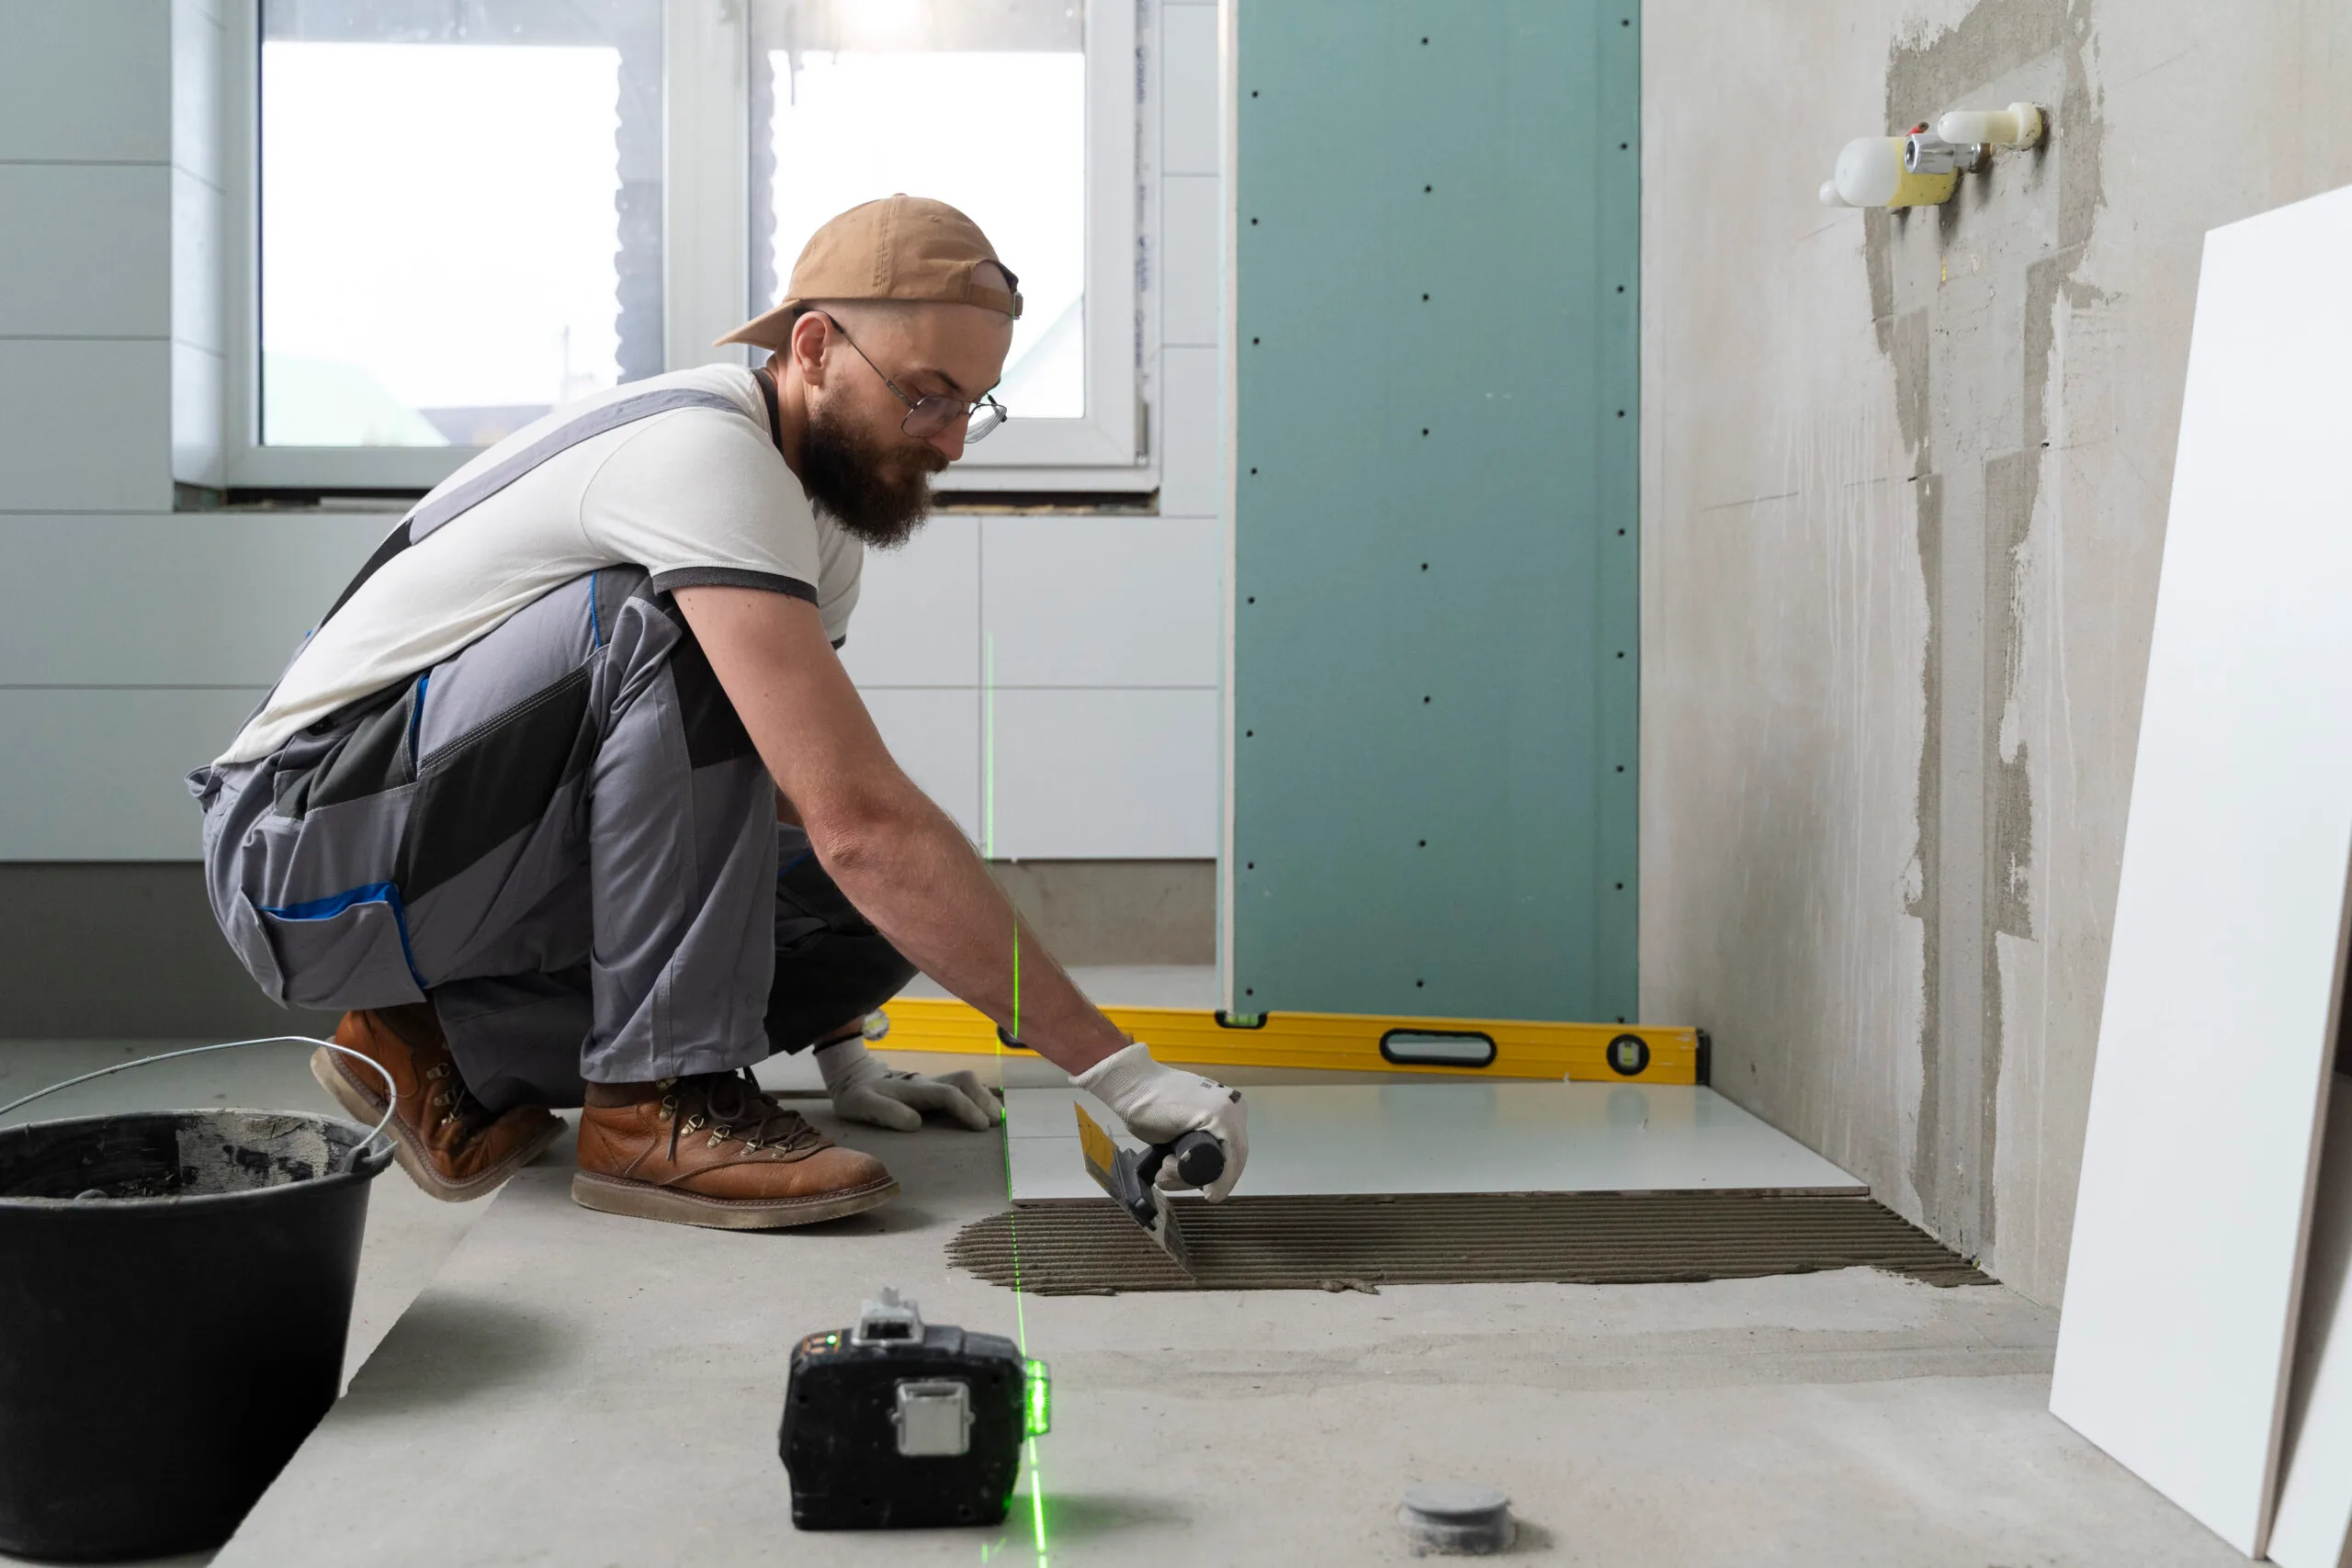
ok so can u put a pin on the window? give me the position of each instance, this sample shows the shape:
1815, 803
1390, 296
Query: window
852, 99
461, 213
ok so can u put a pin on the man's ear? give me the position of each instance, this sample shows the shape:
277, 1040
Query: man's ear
806, 347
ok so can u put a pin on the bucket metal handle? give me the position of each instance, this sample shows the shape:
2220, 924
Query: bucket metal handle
392, 1089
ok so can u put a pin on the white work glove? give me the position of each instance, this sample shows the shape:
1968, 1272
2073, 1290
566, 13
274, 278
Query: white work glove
1160, 1105
865, 1089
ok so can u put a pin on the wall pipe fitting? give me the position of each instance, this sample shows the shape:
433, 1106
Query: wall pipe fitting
2019, 124
1923, 167
1871, 172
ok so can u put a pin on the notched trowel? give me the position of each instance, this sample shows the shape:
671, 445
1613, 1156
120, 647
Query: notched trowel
1132, 1178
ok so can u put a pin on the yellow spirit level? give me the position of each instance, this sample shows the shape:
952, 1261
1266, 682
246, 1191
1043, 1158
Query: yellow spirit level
1472, 1047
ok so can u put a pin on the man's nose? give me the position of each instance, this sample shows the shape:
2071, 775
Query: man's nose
950, 441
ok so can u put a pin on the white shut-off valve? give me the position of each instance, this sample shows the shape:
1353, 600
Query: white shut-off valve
1871, 170
2019, 124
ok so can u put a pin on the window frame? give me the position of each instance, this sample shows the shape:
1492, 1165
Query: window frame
707, 269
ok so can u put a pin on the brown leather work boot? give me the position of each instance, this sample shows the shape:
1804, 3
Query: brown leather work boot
445, 1139
716, 1149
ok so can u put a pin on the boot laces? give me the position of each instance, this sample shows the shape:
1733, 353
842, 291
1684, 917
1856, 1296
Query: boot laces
733, 1105
451, 1096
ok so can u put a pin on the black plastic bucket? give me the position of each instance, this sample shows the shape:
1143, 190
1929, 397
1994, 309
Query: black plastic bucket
174, 1294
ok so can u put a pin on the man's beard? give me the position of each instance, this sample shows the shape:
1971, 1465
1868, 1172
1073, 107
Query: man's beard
879, 492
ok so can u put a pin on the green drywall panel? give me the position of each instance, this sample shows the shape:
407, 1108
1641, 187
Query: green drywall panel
1436, 643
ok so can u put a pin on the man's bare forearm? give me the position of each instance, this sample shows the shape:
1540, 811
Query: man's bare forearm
913, 875
897, 855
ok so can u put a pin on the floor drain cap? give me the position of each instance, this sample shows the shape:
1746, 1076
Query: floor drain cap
1467, 1520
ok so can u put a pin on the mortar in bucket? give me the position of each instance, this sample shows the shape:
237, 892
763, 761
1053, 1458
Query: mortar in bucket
174, 1294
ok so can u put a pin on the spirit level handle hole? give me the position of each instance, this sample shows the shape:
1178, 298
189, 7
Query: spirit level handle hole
1437, 1048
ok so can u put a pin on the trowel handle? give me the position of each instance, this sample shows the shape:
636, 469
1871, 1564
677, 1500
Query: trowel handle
1200, 1159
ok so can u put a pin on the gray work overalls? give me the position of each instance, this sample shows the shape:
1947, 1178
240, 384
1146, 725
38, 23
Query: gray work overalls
561, 835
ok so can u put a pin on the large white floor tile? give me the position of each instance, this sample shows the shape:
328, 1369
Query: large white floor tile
1103, 601
1105, 775
2314, 1523
1315, 1139
2187, 1249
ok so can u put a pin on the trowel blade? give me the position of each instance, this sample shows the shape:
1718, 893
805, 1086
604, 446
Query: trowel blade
1113, 1170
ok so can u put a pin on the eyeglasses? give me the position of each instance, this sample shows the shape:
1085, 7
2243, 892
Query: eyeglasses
928, 416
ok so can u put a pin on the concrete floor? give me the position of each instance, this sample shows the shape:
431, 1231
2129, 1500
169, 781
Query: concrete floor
579, 1389
574, 1388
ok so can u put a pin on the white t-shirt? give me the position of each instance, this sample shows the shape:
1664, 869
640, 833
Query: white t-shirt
695, 495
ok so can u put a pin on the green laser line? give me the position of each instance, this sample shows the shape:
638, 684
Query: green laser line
1013, 1223
988, 747
1037, 1499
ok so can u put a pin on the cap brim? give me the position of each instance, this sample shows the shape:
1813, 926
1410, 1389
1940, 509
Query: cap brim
772, 331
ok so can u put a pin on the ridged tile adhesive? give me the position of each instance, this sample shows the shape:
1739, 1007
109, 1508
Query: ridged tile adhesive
1358, 1243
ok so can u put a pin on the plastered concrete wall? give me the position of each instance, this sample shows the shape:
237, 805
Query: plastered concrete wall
1905, 484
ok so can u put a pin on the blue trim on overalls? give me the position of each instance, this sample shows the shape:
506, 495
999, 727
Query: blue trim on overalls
416, 720
334, 904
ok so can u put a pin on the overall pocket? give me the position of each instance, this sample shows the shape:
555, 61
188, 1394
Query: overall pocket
347, 950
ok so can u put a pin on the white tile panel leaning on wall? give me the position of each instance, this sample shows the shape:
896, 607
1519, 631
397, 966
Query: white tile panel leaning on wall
141, 636
2198, 1176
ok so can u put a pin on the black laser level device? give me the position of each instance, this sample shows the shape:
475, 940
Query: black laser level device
899, 1423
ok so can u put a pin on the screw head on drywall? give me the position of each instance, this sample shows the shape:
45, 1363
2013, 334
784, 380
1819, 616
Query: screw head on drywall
1456, 1520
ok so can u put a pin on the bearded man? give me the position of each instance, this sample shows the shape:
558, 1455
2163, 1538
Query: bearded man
568, 800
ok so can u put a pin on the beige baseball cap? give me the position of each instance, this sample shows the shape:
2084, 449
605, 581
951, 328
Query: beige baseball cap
902, 247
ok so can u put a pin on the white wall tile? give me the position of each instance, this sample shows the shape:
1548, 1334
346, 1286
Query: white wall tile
195, 598
199, 407
85, 80
935, 736
917, 616
1188, 90
84, 250
1190, 254
199, 47
199, 292
1103, 601
1106, 776
87, 426
1192, 474
97, 775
